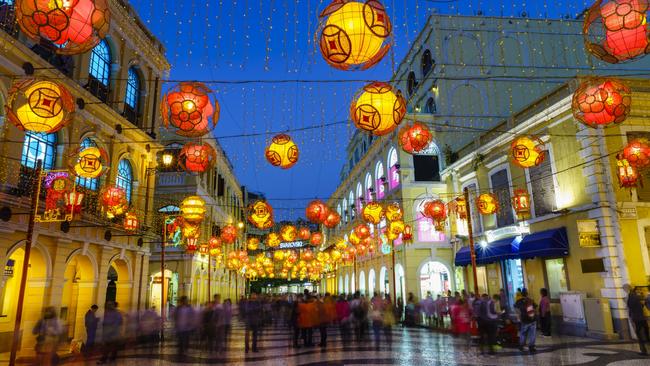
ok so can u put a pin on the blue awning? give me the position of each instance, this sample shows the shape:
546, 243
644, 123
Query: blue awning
549, 243
496, 251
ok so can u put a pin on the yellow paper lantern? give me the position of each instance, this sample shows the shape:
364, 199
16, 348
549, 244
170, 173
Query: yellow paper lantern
394, 212
39, 106
528, 151
487, 204
193, 209
378, 109
261, 215
354, 239
395, 228
253, 243
282, 152
273, 240
90, 162
373, 213
288, 233
279, 255
352, 34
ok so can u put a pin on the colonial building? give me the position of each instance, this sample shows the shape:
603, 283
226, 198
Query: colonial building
72, 269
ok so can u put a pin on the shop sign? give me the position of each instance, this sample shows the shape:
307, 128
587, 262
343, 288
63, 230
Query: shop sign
507, 232
588, 233
292, 245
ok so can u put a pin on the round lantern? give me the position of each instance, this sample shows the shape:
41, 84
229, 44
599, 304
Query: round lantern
332, 220
616, 30
193, 209
316, 239
197, 157
229, 234
253, 243
131, 222
527, 151
521, 203
487, 204
627, 175
599, 102
317, 212
190, 230
378, 109
362, 231
215, 242
354, 239
307, 255
112, 201
414, 138
637, 153
395, 228
336, 255
282, 152
190, 109
273, 240
89, 162
372, 213
435, 210
288, 233
279, 255
39, 105
351, 34
394, 212
304, 233
261, 215
214, 249
73, 26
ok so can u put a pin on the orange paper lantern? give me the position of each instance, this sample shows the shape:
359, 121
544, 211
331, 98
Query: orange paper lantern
435, 210
414, 138
362, 231
197, 157
332, 220
487, 204
304, 233
317, 212
316, 239
112, 201
601, 102
637, 153
190, 109
229, 234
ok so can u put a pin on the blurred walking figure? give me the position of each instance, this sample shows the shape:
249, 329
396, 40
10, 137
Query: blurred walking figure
343, 315
428, 308
327, 315
377, 306
388, 320
460, 320
225, 321
253, 317
208, 324
111, 333
545, 313
48, 332
150, 329
293, 319
307, 319
528, 327
91, 321
184, 325
635, 311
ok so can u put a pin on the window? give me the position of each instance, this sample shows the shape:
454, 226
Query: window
345, 211
369, 188
132, 97
359, 198
412, 83
556, 276
431, 106
88, 183
352, 208
477, 225
501, 189
124, 178
427, 63
380, 181
393, 169
426, 168
542, 187
39, 146
100, 70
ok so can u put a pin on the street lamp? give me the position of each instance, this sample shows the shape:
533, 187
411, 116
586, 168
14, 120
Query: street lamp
167, 158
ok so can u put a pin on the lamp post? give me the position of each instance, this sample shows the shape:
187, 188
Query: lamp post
472, 252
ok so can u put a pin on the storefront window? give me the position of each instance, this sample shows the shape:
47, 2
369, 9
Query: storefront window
557, 279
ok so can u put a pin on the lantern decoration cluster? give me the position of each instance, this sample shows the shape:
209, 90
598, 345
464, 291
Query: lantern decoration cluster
237, 260
528, 151
56, 186
288, 233
39, 106
627, 174
362, 231
197, 157
214, 246
88, 162
193, 209
487, 204
378, 109
395, 228
112, 201
229, 234
319, 213
414, 138
304, 233
521, 203
190, 109
637, 154
260, 214
601, 102
436, 210
73, 26
131, 222
282, 152
252, 243
352, 34
617, 30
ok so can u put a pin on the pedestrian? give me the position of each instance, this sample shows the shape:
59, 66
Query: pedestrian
388, 320
307, 319
91, 322
635, 311
376, 318
441, 311
460, 318
487, 324
343, 314
359, 316
184, 326
48, 331
150, 328
428, 309
111, 332
503, 301
226, 323
293, 319
528, 326
409, 311
253, 314
545, 313
327, 315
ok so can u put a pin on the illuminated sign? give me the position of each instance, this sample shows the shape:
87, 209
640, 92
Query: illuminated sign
292, 245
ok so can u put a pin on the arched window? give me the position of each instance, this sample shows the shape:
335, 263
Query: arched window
124, 177
371, 281
132, 97
427, 63
346, 211
351, 203
359, 198
369, 188
431, 106
393, 169
100, 70
411, 83
362, 283
88, 183
39, 146
380, 180
426, 164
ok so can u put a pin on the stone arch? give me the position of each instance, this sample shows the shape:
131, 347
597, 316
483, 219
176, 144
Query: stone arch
462, 48
441, 264
45, 258
89, 255
362, 282
508, 45
400, 278
383, 278
119, 280
468, 97
79, 286
372, 281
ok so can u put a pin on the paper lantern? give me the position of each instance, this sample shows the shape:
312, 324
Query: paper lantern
436, 210
414, 138
521, 202
252, 243
601, 102
229, 234
307, 255
407, 235
378, 109
190, 230
362, 231
73, 201
89, 162
190, 109
372, 213
487, 204
273, 240
336, 255
354, 239
131, 222
197, 157
112, 201
304, 233
204, 249
215, 242
395, 228
316, 239
637, 153
193, 209
73, 26
260, 214
191, 245
627, 175
282, 152
332, 220
317, 212
39, 105
352, 34
527, 151
459, 207
214, 247
617, 30
394, 212
288, 233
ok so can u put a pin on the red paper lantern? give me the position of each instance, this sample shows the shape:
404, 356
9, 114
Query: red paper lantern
131, 222
190, 109
362, 231
215, 242
627, 175
407, 235
191, 245
73, 201
73, 26
414, 138
197, 158
435, 210
599, 102
316, 239
617, 30
112, 201
304, 233
307, 255
487, 204
229, 234
317, 212
214, 246
637, 153
521, 202
332, 220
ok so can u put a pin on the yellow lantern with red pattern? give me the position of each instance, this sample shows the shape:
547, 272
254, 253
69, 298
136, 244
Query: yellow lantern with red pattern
288, 233
260, 214
487, 204
354, 239
273, 240
378, 109
372, 213
214, 246
528, 151
252, 243
39, 106
282, 152
394, 212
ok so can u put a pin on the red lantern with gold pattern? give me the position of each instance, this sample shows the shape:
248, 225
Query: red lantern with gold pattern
332, 220
521, 203
316, 239
435, 210
191, 245
215, 242
407, 235
197, 157
113, 201
317, 212
414, 138
190, 109
229, 234
362, 231
637, 153
627, 175
214, 246
487, 204
601, 102
304, 233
